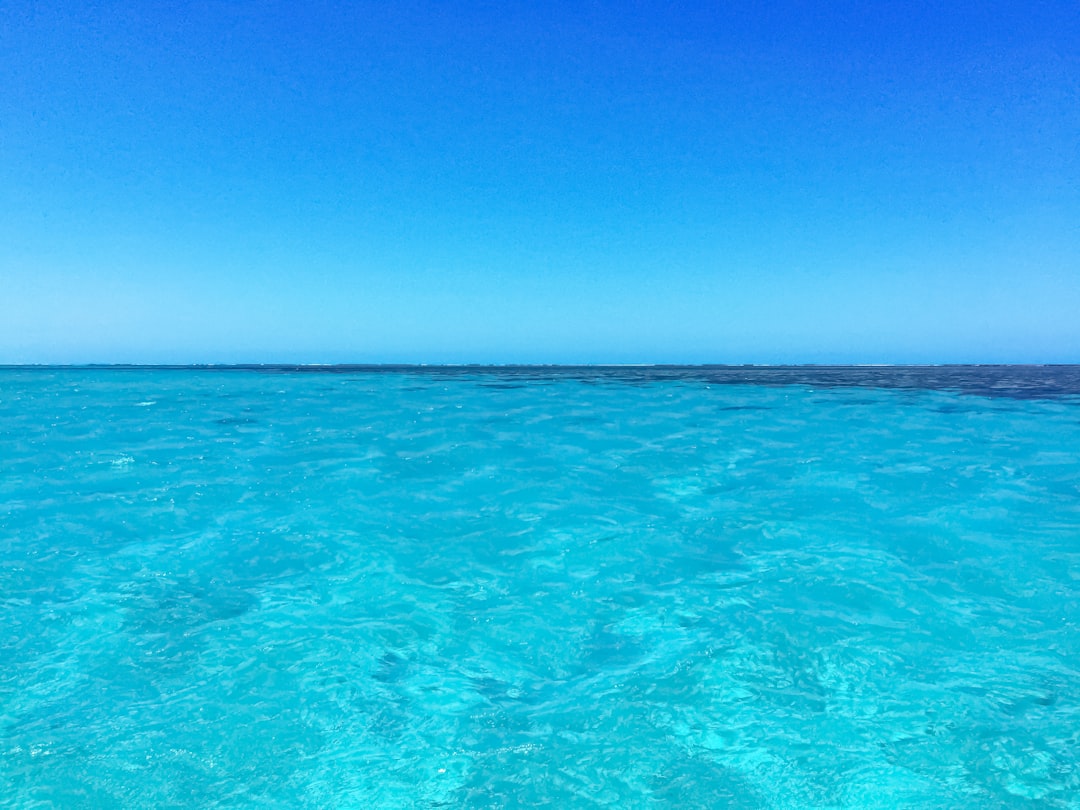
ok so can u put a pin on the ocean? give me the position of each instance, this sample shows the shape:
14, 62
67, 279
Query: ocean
653, 587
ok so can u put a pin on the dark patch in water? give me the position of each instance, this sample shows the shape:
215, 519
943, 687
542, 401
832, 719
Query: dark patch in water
697, 782
392, 668
237, 420
166, 620
611, 649
496, 691
181, 607
1020, 706
953, 409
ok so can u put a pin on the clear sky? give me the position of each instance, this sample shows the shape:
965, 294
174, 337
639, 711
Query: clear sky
540, 182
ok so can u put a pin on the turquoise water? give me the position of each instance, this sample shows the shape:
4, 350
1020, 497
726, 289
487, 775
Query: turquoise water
518, 588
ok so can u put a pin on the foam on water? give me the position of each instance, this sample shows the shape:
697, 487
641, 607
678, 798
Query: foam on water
482, 588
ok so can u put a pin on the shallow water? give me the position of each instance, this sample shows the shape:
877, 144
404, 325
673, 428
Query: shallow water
539, 587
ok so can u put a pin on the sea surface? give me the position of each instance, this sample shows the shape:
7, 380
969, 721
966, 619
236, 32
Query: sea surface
349, 587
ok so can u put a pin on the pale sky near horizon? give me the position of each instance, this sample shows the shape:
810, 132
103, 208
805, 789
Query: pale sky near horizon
556, 183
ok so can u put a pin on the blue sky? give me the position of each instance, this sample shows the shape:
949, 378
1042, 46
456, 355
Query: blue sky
555, 182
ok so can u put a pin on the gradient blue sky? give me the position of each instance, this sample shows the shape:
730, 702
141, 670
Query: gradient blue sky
548, 182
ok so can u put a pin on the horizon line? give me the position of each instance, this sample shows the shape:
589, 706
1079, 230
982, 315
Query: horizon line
403, 366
